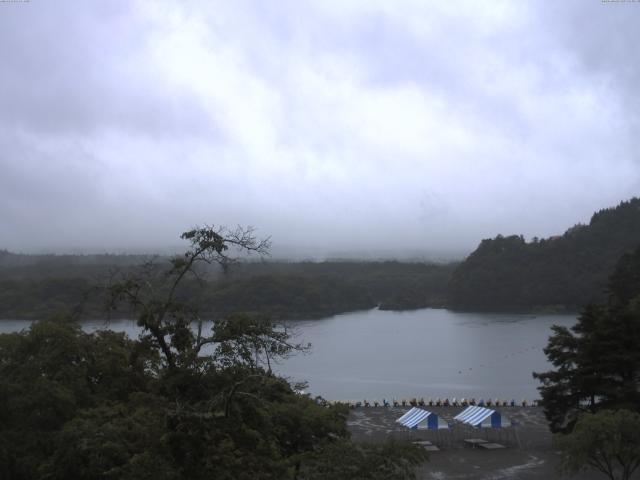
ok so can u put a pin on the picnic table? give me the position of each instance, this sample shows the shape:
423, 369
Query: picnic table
427, 445
474, 442
491, 445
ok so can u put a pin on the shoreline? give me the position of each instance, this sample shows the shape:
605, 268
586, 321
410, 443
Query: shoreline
326, 314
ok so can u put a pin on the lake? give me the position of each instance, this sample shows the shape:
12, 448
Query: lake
421, 353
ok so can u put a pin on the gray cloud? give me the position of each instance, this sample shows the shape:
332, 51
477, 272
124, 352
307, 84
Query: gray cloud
336, 125
74, 68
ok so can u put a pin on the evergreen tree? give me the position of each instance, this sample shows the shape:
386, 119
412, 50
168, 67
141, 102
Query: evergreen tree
597, 361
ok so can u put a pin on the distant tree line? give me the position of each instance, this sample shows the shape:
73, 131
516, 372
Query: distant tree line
299, 290
560, 273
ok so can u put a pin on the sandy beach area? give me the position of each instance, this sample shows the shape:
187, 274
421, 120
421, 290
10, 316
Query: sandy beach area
528, 452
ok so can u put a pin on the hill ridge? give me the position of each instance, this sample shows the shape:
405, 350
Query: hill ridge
557, 273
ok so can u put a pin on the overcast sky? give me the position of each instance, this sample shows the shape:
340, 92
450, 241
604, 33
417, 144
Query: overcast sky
337, 124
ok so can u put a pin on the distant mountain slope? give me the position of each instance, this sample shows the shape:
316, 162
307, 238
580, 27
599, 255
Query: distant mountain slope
564, 272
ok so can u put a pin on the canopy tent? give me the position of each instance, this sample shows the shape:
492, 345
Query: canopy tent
417, 418
481, 417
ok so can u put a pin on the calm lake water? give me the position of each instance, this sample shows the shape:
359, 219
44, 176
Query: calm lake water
423, 353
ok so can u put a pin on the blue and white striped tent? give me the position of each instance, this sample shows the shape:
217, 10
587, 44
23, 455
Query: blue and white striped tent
480, 417
418, 418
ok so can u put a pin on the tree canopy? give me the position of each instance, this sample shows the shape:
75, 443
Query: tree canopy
597, 361
177, 403
560, 272
607, 441
33, 286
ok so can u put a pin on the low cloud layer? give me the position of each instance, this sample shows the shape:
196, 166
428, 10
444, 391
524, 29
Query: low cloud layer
338, 125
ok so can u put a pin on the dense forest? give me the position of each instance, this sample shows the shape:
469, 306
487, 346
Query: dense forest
33, 286
103, 406
563, 272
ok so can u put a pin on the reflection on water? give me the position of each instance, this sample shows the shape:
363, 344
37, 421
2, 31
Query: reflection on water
429, 352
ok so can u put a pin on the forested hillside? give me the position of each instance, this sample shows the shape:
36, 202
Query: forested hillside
564, 272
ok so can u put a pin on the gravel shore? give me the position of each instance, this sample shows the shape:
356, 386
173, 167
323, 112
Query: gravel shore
529, 452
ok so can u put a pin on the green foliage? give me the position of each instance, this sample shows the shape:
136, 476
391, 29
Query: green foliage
286, 296
281, 290
85, 406
597, 361
250, 341
177, 403
564, 272
608, 441
50, 374
624, 283
36, 298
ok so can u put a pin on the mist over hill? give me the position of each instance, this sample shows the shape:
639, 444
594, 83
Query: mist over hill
559, 273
